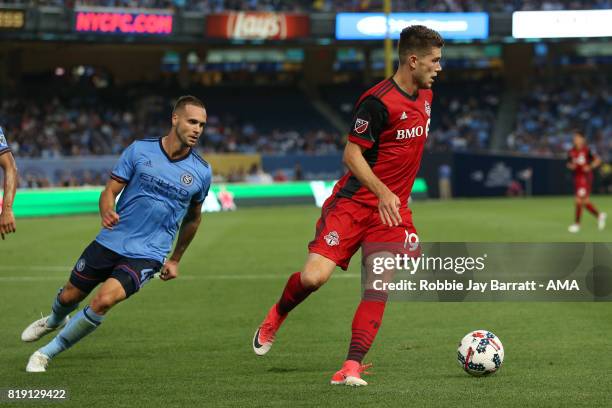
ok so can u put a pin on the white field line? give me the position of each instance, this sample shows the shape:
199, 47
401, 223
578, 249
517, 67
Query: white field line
67, 269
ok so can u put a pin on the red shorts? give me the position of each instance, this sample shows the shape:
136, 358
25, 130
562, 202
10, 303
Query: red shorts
582, 185
345, 225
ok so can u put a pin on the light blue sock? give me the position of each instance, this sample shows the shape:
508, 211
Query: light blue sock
59, 311
78, 327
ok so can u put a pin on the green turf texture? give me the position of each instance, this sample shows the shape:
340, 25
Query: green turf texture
187, 342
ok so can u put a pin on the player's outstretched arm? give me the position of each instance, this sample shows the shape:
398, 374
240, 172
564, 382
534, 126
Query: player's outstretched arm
7, 218
188, 229
107, 203
388, 203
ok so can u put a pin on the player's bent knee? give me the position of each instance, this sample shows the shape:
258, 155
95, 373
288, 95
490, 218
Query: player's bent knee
71, 295
317, 271
313, 278
102, 303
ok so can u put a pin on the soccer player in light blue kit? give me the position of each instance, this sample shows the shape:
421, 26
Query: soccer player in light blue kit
9, 169
163, 183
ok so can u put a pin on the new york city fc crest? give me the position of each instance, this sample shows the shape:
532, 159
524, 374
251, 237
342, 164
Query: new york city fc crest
186, 179
427, 108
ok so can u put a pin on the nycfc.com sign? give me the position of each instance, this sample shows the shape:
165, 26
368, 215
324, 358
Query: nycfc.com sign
373, 26
123, 21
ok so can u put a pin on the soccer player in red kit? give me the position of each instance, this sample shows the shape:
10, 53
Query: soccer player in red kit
582, 161
369, 204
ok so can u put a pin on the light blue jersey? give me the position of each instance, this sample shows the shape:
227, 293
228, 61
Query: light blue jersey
4, 147
156, 197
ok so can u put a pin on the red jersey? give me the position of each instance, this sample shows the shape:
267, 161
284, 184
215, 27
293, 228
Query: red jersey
393, 127
581, 158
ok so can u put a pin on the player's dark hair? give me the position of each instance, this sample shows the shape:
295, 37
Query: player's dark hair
580, 133
187, 100
417, 39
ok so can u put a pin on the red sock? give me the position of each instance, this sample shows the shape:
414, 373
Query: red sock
578, 213
367, 321
293, 294
592, 209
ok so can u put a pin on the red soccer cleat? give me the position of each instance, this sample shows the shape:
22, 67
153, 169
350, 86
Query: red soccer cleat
350, 374
264, 336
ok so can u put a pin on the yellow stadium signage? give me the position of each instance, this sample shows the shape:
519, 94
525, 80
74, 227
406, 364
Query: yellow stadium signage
12, 19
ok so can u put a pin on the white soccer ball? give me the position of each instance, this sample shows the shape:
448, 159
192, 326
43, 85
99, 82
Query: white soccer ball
480, 353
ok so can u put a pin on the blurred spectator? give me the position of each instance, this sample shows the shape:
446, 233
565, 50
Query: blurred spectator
515, 189
444, 181
258, 176
557, 105
298, 174
227, 199
280, 176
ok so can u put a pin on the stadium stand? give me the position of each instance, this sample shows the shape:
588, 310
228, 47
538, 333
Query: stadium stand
210, 6
550, 111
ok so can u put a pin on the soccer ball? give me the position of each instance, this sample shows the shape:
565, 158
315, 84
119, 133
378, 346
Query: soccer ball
480, 353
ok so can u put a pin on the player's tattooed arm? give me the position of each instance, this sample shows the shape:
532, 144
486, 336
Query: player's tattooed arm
388, 202
7, 218
188, 229
107, 203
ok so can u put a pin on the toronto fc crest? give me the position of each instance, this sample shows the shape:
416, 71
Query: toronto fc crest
332, 238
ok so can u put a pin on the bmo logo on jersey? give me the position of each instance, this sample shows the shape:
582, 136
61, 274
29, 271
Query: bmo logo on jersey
410, 133
416, 131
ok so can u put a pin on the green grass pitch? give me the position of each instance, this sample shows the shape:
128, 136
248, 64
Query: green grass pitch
187, 342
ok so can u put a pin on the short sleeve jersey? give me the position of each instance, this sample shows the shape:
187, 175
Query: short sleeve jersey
4, 147
581, 158
156, 197
392, 126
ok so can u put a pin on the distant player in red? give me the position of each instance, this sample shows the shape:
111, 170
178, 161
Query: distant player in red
370, 203
582, 161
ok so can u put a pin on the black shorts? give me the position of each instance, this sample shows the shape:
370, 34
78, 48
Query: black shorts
98, 263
